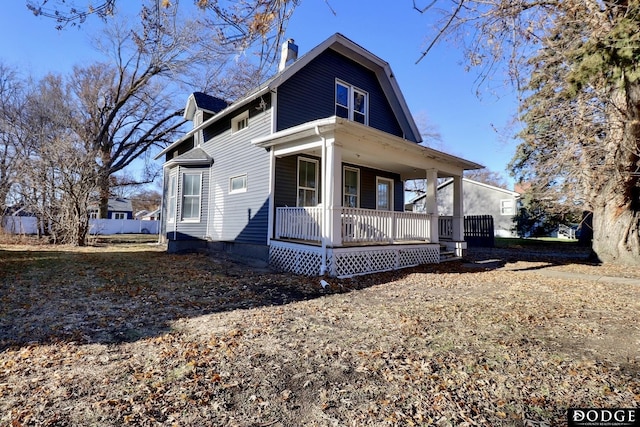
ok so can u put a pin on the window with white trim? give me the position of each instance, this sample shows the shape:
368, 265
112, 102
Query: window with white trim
191, 186
119, 215
239, 122
238, 184
307, 182
352, 103
384, 194
351, 184
171, 199
506, 207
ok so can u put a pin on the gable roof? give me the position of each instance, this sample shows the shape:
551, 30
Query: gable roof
349, 49
120, 205
481, 184
202, 101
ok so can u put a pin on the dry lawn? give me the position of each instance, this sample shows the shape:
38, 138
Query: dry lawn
120, 333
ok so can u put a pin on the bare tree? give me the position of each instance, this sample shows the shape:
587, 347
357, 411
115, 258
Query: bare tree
11, 104
59, 176
129, 104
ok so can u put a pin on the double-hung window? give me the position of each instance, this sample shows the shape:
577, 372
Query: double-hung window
307, 182
191, 185
352, 103
351, 182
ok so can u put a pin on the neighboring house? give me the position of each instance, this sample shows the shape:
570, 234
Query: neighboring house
308, 170
145, 215
118, 209
479, 199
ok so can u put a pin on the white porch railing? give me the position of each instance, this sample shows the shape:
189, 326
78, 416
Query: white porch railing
358, 225
299, 223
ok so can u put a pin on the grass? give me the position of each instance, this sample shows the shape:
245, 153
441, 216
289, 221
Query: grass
123, 333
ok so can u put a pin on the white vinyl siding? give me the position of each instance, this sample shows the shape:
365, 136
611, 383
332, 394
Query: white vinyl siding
229, 211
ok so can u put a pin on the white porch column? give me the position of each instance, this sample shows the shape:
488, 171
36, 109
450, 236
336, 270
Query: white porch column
432, 203
458, 210
332, 190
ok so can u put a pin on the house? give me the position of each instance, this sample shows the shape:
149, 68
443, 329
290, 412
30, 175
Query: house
118, 208
479, 199
307, 171
145, 215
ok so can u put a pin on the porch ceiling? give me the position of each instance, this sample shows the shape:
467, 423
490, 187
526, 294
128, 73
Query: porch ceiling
365, 146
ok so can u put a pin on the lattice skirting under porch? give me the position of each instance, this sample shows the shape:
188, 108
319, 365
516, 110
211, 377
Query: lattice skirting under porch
345, 262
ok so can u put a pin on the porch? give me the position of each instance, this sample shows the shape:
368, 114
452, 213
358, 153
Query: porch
337, 200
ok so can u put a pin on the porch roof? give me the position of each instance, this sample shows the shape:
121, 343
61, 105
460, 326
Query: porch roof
365, 146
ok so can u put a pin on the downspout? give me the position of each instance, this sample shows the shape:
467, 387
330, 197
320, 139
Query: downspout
323, 262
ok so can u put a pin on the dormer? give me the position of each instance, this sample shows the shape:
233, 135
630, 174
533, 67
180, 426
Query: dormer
201, 107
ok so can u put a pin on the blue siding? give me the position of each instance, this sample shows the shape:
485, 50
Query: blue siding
286, 186
310, 93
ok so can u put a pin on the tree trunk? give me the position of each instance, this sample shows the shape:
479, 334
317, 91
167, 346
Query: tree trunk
615, 234
104, 189
616, 214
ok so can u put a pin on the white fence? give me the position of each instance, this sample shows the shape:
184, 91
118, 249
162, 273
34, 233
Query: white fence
29, 225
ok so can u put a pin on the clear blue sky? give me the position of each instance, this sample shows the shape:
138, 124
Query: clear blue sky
438, 87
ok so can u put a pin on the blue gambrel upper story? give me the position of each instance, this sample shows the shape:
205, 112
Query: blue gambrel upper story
311, 94
336, 78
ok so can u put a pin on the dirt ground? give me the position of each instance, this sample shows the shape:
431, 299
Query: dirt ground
123, 333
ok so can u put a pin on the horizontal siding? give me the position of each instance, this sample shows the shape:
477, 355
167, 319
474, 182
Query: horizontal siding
310, 93
241, 217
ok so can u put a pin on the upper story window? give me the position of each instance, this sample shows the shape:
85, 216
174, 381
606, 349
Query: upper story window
352, 103
239, 122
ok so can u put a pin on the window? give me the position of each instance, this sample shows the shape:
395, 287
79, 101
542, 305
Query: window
119, 215
171, 201
506, 207
307, 182
384, 194
351, 103
191, 183
238, 184
351, 183
240, 122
